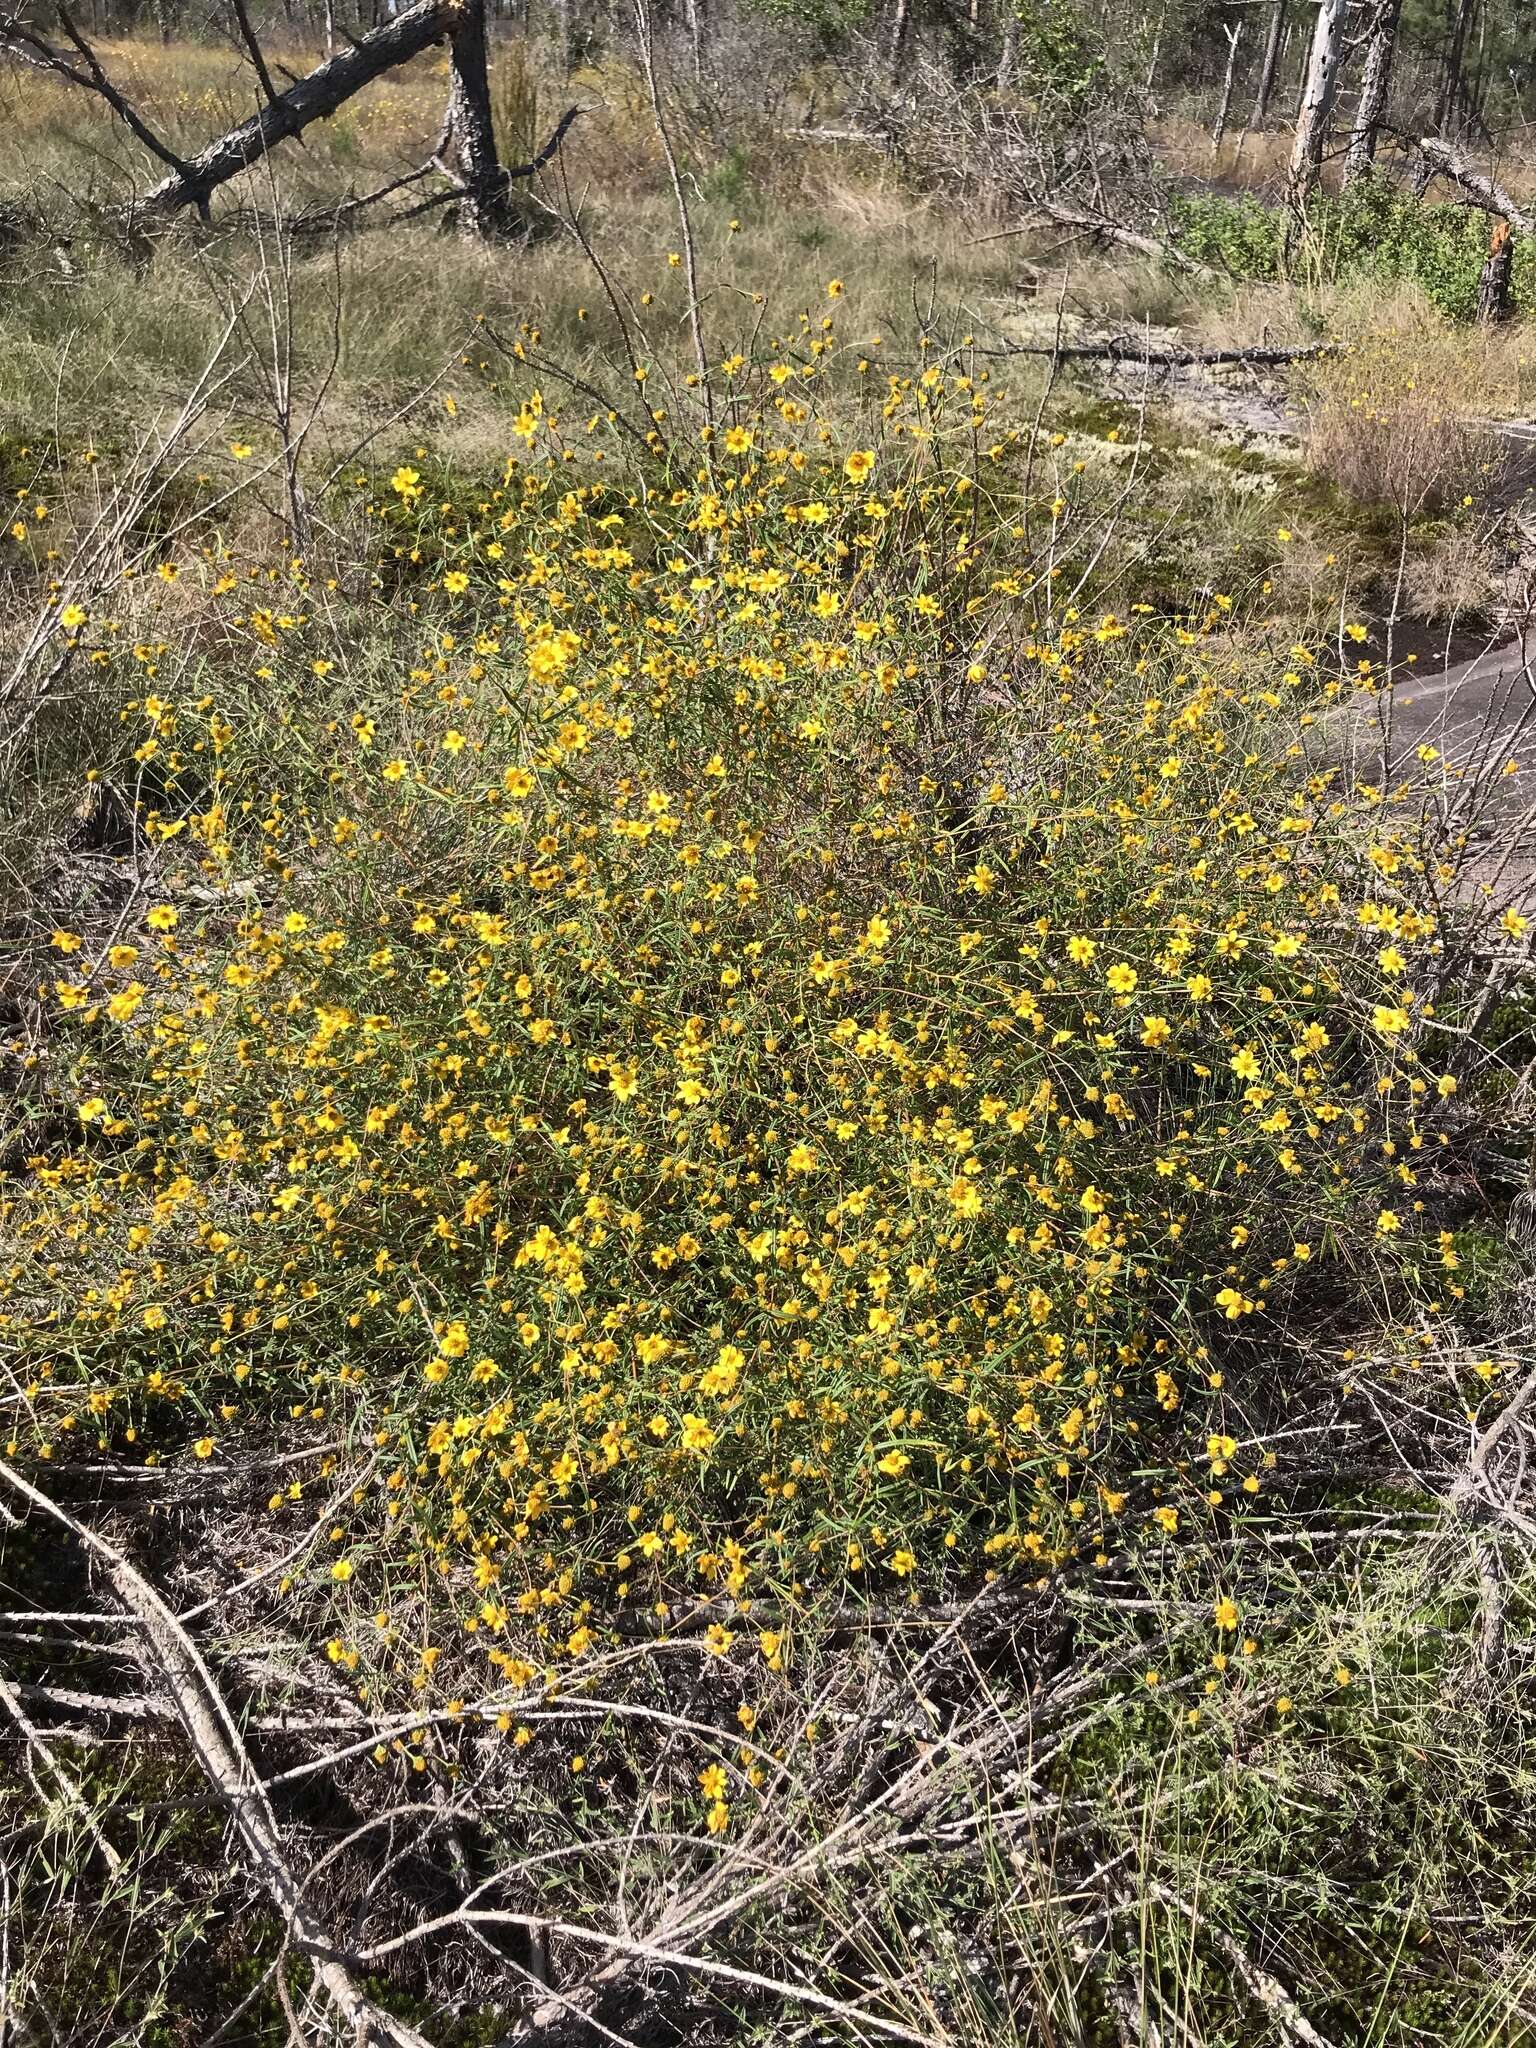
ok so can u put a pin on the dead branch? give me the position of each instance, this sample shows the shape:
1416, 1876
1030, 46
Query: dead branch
328, 218
67, 1789
1447, 162
26, 44
1103, 229
1266, 1990
248, 37
216, 1742
311, 98
636, 1951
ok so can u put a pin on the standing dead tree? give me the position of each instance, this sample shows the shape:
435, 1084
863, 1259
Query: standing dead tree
1318, 94
1269, 68
1375, 85
466, 151
469, 134
1495, 293
1234, 35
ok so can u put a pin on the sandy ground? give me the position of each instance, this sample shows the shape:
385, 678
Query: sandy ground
1458, 730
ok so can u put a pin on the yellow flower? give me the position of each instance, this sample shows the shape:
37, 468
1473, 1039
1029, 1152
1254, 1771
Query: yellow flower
240, 450
455, 580
859, 464
697, 1433
342, 1569
738, 440
1226, 1613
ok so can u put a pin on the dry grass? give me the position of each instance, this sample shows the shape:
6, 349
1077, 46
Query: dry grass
1402, 417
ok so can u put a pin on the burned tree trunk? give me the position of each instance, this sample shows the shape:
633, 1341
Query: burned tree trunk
1322, 83
1269, 67
1450, 77
1375, 84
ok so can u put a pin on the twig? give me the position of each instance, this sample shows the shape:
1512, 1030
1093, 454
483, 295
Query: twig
1265, 1990
211, 1730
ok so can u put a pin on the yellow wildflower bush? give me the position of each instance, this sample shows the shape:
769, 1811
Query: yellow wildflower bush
733, 1032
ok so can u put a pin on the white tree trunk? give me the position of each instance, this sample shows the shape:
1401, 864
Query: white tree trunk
1234, 36
1322, 84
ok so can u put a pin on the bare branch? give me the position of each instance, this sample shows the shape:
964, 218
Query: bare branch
1484, 192
216, 1741
14, 35
248, 37
319, 93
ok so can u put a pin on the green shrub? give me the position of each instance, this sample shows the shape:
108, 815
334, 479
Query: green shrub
1370, 231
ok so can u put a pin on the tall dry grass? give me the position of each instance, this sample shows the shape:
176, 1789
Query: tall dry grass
1405, 417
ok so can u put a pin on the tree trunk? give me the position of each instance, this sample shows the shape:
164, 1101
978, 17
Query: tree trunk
330, 28
1322, 83
1007, 56
1268, 68
1495, 295
1450, 77
469, 131
314, 96
1375, 85
693, 11
1234, 36
897, 55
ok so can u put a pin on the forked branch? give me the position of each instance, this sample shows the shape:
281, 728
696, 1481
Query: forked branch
216, 1742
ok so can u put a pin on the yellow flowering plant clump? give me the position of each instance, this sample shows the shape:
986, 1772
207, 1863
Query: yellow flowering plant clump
779, 1047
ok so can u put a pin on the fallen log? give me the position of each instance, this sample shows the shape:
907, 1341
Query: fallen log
216, 1742
1121, 348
